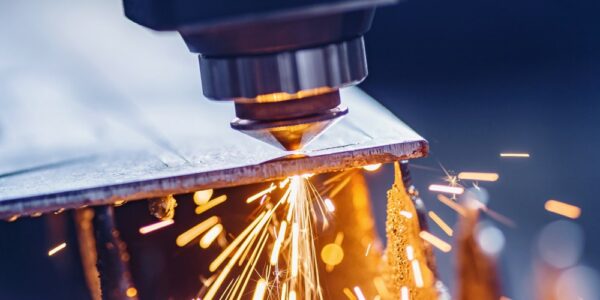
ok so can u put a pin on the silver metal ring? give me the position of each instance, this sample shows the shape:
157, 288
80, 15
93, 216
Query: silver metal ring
334, 65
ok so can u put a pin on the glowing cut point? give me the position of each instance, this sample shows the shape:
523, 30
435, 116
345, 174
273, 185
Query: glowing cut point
156, 226
56, 249
372, 168
435, 241
563, 209
457, 190
478, 176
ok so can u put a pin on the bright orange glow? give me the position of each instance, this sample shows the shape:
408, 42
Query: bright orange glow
372, 168
210, 236
186, 237
478, 176
131, 292
332, 254
156, 226
457, 190
56, 249
435, 241
522, 155
443, 225
453, 205
563, 209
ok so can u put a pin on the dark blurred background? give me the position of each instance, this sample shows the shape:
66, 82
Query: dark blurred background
475, 78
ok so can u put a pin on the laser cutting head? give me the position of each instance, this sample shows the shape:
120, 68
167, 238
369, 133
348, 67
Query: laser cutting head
281, 62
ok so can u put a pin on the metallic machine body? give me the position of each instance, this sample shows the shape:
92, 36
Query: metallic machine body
276, 59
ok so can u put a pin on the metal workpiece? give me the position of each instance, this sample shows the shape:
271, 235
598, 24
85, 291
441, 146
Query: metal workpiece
333, 66
171, 148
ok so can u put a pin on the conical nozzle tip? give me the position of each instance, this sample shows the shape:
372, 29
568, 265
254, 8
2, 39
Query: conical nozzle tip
290, 137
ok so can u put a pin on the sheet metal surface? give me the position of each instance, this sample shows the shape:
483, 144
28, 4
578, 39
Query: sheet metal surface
108, 111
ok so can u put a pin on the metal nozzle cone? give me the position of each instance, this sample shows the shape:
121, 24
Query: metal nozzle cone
290, 137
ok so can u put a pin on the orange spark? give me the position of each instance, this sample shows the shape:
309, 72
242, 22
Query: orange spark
329, 205
453, 205
56, 249
447, 189
156, 226
210, 204
131, 292
210, 236
261, 193
435, 241
563, 209
359, 293
443, 225
186, 237
478, 176
521, 155
259, 292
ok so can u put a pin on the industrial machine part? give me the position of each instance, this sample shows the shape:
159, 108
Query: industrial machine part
69, 139
281, 62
